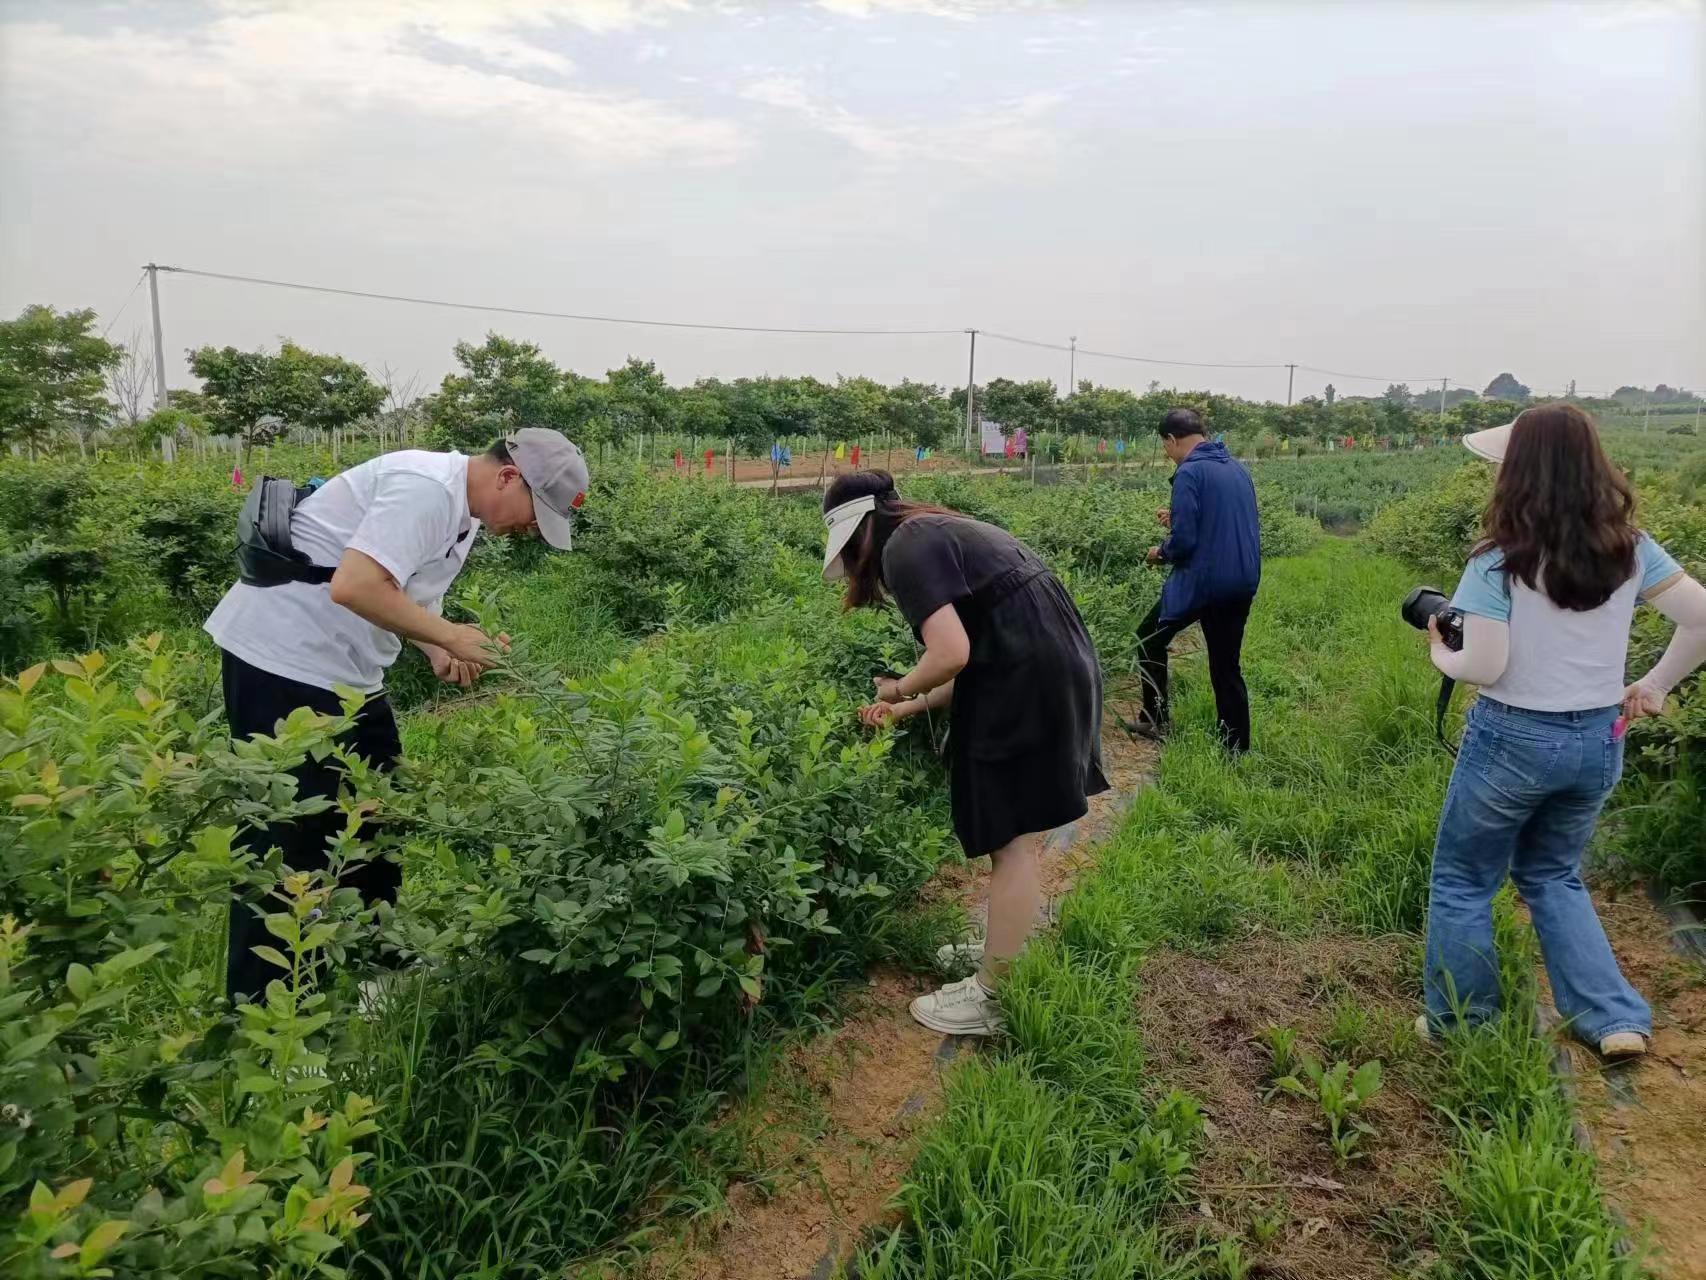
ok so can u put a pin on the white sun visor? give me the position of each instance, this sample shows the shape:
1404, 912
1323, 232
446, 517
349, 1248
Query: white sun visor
1491, 443
841, 522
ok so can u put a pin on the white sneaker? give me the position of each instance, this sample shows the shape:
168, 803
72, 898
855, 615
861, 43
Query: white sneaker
957, 955
1623, 1044
959, 1009
1424, 1032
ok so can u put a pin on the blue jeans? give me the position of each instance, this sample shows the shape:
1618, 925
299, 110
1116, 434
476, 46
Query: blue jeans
1523, 801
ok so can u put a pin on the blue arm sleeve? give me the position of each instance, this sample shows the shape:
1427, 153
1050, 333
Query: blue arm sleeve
1483, 589
1654, 563
1181, 542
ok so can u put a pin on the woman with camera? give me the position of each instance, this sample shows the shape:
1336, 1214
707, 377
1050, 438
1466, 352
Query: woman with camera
1547, 599
1005, 649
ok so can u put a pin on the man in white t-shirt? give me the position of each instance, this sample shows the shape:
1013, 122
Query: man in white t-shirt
396, 531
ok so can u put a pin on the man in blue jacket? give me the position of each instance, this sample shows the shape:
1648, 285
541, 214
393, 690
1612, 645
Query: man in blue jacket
1214, 544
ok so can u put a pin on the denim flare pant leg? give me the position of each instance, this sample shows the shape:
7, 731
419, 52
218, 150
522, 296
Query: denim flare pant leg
1523, 801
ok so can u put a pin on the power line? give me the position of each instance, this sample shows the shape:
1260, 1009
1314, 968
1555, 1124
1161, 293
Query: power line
127, 297
556, 315
1114, 355
1369, 377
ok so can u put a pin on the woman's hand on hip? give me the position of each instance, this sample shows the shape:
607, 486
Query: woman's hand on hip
1639, 701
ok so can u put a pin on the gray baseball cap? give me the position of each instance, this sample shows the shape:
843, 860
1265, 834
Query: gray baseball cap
555, 471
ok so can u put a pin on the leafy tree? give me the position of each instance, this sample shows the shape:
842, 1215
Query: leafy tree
1505, 387
297, 386
1033, 406
1332, 394
53, 371
918, 413
1472, 415
854, 408
508, 384
702, 410
639, 400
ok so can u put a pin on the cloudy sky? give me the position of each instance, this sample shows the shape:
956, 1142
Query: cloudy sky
1405, 191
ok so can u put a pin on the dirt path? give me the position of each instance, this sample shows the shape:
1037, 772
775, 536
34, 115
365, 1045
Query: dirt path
1267, 1177
853, 1099
1647, 1120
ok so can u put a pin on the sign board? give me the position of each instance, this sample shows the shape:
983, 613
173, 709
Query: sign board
994, 438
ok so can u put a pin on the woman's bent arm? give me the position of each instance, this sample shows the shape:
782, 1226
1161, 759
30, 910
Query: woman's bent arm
1485, 652
1683, 600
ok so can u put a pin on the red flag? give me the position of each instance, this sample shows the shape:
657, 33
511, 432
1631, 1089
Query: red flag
1101, 446
855, 457
236, 477
710, 456
680, 461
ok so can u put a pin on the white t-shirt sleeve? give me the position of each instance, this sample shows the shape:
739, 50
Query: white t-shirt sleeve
407, 524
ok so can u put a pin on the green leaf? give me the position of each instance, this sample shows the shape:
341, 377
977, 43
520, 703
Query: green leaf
272, 955
81, 981
29, 1047
257, 1084
1366, 1082
99, 1242
668, 1040
317, 1242
125, 961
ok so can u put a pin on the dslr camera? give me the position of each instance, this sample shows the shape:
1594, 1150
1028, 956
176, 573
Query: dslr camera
1430, 602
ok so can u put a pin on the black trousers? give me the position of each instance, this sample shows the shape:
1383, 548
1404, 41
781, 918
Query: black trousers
255, 701
1223, 636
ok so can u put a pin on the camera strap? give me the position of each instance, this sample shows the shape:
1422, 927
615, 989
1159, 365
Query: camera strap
1442, 704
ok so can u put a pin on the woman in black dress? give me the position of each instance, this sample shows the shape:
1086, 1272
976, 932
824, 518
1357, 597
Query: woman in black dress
1005, 649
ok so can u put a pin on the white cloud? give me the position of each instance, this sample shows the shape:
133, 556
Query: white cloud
263, 80
1629, 13
959, 9
992, 138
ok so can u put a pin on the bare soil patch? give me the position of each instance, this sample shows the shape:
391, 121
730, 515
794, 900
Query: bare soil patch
1267, 1174
1647, 1119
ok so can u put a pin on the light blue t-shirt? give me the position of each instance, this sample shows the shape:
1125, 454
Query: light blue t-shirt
1560, 659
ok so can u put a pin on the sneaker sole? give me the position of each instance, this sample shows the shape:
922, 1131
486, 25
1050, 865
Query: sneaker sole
942, 1026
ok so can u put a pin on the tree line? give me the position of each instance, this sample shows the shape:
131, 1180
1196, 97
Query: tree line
61, 380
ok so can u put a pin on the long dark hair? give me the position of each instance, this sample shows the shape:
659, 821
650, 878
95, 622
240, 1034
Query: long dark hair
1562, 517
863, 554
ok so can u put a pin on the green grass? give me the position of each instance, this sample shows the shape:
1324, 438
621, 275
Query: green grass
1327, 826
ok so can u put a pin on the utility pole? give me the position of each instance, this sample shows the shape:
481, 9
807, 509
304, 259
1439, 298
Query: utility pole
159, 344
971, 392
1290, 373
1442, 383
1072, 367
1647, 418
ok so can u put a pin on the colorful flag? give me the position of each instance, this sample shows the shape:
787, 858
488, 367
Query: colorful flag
680, 461
236, 477
841, 451
710, 456
855, 455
